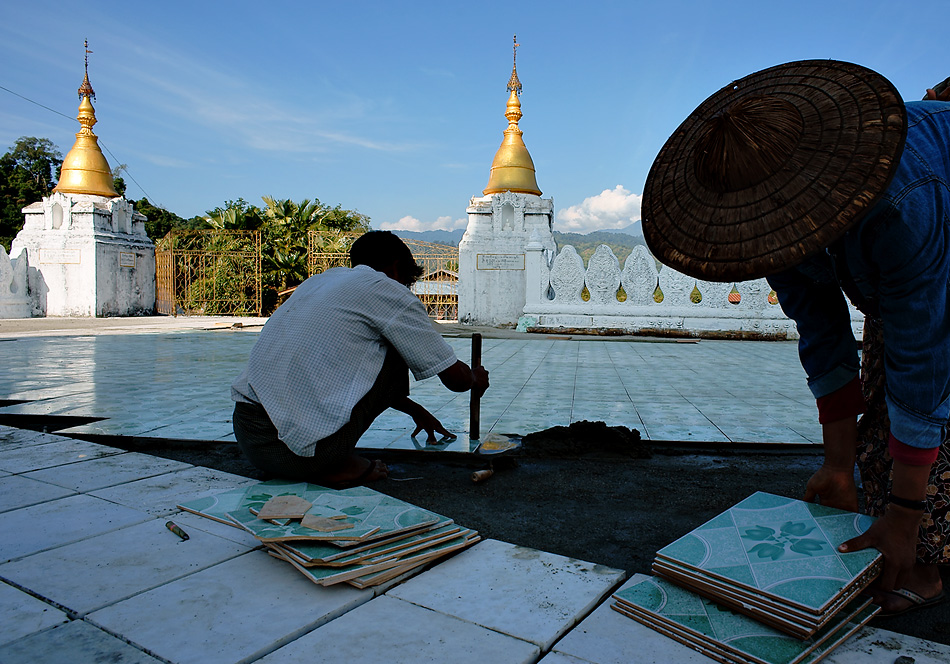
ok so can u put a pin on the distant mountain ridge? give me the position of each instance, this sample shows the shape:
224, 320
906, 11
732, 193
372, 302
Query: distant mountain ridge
451, 238
609, 237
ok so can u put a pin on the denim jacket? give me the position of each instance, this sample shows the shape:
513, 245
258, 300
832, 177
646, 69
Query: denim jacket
894, 264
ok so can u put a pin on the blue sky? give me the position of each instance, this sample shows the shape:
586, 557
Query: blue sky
396, 109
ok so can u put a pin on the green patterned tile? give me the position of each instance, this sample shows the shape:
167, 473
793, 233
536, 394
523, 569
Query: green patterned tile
783, 548
255, 495
326, 576
289, 529
395, 546
373, 514
679, 613
782, 616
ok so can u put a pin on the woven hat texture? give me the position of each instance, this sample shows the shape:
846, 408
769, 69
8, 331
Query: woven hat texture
773, 168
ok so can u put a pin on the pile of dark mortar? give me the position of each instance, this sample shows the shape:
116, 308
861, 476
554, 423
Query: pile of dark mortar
585, 439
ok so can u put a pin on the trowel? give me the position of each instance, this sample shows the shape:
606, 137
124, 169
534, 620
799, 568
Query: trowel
495, 446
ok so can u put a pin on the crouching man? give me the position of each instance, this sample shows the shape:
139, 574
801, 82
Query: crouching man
332, 358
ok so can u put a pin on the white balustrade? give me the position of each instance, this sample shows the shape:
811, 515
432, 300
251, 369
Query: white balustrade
644, 298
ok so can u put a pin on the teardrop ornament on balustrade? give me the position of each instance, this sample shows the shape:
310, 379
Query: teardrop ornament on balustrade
657, 293
696, 297
734, 296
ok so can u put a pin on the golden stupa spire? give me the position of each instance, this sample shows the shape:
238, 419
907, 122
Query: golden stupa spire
85, 169
513, 169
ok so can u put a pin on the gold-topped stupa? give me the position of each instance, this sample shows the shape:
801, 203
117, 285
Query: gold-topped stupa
85, 169
513, 169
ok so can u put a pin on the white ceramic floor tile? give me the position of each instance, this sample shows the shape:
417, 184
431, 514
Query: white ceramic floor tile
380, 438
22, 614
11, 437
17, 491
388, 630
237, 611
528, 594
606, 637
75, 643
60, 522
196, 429
558, 658
675, 433
878, 645
188, 522
34, 457
770, 435
107, 471
160, 495
93, 573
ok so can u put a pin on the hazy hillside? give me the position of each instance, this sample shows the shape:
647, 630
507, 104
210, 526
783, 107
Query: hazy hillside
621, 241
621, 244
439, 237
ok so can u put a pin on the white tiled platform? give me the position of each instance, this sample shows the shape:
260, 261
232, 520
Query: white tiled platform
89, 573
90, 578
708, 391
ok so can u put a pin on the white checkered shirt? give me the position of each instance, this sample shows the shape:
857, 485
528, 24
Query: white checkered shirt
323, 348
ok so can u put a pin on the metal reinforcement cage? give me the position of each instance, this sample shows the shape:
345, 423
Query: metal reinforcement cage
208, 272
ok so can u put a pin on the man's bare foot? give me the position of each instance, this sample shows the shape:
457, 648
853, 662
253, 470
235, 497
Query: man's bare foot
356, 470
923, 587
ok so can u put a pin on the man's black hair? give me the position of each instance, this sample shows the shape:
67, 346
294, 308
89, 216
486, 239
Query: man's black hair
378, 250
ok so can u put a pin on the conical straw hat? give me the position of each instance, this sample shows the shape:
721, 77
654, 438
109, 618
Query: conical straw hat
772, 169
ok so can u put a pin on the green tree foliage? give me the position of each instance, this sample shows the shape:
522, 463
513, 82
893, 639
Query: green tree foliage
236, 215
285, 226
28, 172
285, 231
118, 182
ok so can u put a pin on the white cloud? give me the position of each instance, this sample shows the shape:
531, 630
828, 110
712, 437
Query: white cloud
409, 223
179, 83
611, 208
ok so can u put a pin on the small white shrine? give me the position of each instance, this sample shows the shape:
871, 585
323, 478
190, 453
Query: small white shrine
84, 248
15, 300
501, 223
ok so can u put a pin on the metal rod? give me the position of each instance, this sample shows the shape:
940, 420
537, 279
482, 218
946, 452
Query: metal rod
474, 410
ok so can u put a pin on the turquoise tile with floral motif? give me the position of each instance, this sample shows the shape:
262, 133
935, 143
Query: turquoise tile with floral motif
371, 513
780, 547
255, 495
693, 619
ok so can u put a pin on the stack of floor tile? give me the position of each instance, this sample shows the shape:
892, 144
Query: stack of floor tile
357, 536
762, 582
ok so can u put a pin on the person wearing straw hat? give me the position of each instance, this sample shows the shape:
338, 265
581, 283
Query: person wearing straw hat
816, 175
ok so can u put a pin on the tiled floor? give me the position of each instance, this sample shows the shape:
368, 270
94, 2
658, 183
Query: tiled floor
89, 573
148, 385
95, 576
